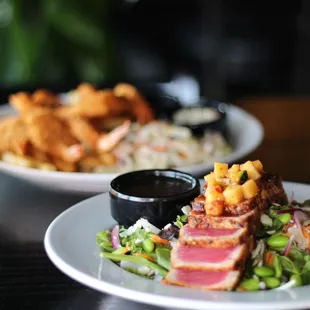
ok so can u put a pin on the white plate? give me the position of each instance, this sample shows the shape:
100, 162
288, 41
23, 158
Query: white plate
246, 133
70, 244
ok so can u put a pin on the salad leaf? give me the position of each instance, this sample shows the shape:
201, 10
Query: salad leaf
103, 236
104, 241
277, 266
288, 265
273, 211
277, 224
181, 220
297, 256
305, 274
107, 246
261, 232
248, 268
163, 257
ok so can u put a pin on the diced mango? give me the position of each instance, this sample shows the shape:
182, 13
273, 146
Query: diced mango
234, 168
258, 165
223, 181
249, 189
210, 179
233, 194
234, 177
216, 208
214, 196
220, 170
251, 170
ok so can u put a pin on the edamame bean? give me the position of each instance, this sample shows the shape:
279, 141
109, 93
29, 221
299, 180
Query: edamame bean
271, 282
148, 245
263, 271
284, 218
298, 279
277, 241
249, 285
307, 258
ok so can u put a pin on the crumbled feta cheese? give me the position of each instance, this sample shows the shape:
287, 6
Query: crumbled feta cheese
145, 271
167, 226
141, 223
262, 285
266, 220
300, 239
186, 210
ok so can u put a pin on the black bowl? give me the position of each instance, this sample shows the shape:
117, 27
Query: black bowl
156, 195
218, 125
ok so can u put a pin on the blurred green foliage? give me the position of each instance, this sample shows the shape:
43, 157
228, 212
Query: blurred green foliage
56, 40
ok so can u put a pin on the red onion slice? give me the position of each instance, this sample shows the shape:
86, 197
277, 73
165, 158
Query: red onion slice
300, 217
115, 237
288, 246
286, 211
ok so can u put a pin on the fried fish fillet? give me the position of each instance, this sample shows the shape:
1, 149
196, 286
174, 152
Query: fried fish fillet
24, 102
140, 108
14, 136
50, 134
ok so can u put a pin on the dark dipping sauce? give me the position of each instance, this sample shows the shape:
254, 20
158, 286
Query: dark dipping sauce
156, 195
156, 186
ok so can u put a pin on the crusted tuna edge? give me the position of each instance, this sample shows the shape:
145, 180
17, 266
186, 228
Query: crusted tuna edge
249, 219
236, 261
225, 241
228, 284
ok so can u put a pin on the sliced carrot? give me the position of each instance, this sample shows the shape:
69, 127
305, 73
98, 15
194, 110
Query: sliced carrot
306, 234
157, 239
145, 256
127, 248
183, 155
269, 258
160, 148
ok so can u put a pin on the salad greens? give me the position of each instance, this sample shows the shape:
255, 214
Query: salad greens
142, 249
280, 260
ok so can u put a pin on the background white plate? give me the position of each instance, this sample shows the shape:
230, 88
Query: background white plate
245, 134
70, 244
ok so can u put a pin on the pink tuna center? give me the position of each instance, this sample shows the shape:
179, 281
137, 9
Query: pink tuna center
201, 278
211, 255
209, 232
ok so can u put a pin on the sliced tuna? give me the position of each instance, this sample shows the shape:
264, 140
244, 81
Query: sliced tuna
228, 221
207, 280
212, 237
215, 259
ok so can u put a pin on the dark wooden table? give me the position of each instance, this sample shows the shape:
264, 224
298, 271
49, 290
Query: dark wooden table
28, 280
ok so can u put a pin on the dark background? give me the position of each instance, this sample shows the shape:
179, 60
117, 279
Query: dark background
232, 48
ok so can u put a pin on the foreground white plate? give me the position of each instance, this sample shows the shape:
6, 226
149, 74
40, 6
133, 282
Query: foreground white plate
70, 244
246, 133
